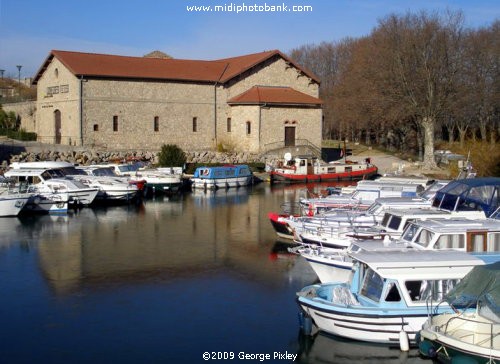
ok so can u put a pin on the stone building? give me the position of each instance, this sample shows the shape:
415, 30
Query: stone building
248, 103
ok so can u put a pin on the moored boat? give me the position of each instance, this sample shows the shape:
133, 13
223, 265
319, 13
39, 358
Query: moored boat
470, 193
52, 182
389, 296
222, 177
308, 168
467, 336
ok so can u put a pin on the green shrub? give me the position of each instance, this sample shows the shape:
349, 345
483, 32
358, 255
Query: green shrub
171, 156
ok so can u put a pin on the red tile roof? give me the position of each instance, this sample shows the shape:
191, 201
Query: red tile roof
112, 66
259, 95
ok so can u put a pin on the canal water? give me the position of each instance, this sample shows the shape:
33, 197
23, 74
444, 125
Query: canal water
166, 281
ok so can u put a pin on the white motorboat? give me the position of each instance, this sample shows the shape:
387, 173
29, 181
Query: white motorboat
389, 296
393, 223
111, 188
365, 195
157, 181
53, 181
467, 336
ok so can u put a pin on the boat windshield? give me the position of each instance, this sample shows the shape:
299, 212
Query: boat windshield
421, 291
68, 171
101, 172
409, 233
372, 285
53, 173
424, 238
430, 191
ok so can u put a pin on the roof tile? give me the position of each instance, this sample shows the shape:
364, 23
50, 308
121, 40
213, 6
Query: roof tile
113, 66
259, 95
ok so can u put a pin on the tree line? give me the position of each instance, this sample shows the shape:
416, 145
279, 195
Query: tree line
415, 78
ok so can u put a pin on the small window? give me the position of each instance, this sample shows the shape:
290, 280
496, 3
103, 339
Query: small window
115, 123
392, 293
96, 127
56, 72
156, 123
249, 127
228, 125
195, 124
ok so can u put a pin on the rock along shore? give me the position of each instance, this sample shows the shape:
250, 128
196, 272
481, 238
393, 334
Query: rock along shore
95, 157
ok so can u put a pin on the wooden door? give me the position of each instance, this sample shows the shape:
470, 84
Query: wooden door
289, 136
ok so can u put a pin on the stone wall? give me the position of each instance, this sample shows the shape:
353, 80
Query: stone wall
81, 157
58, 90
26, 111
136, 104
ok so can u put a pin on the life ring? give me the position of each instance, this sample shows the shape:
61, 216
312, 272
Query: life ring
294, 168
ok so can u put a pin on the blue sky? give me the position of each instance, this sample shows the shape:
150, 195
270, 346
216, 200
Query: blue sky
29, 29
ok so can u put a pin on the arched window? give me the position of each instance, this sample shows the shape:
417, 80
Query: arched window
249, 127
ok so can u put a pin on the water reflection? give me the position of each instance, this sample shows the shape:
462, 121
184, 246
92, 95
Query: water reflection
324, 348
185, 236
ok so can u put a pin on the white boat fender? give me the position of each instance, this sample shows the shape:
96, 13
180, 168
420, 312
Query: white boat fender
404, 342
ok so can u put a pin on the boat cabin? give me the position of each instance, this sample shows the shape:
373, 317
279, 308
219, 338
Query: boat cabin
228, 171
394, 222
312, 165
408, 278
462, 234
33, 176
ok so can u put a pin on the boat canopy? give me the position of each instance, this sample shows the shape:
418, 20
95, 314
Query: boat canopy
482, 284
472, 193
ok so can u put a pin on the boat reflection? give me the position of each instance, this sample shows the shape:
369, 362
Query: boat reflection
210, 198
324, 348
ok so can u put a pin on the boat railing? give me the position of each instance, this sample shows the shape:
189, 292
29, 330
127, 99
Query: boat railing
334, 229
489, 331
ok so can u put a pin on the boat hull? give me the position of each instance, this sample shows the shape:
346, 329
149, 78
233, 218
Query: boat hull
280, 227
217, 183
280, 177
365, 325
466, 336
12, 205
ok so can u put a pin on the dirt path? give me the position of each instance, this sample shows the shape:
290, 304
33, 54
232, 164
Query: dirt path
387, 164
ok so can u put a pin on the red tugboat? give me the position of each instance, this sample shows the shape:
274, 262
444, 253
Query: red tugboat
308, 168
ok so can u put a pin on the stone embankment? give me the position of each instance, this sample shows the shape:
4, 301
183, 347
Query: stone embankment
96, 157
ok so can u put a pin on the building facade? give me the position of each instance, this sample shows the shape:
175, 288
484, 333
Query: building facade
246, 103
